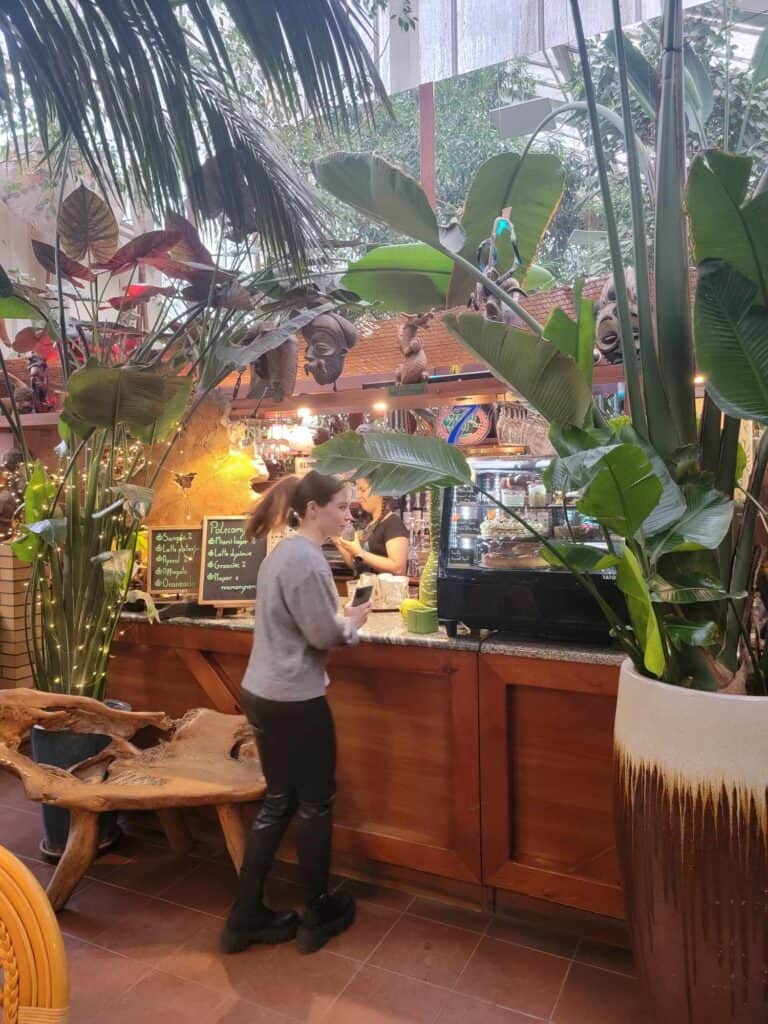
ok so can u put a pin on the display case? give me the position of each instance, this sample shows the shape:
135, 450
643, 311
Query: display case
492, 574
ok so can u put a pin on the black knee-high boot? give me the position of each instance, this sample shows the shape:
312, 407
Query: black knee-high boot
327, 914
250, 921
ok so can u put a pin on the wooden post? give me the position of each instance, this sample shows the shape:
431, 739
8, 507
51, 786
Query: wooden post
427, 139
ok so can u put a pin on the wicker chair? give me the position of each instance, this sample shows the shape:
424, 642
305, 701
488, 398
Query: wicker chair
35, 989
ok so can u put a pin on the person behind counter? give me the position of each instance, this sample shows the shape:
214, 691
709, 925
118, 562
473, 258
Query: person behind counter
296, 623
383, 545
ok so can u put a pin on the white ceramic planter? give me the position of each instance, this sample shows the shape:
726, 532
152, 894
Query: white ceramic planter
691, 771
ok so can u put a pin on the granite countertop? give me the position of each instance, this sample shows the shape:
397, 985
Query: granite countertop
389, 628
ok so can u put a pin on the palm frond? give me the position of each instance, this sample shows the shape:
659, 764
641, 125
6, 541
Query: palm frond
146, 101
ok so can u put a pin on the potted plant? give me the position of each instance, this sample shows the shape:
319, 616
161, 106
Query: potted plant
691, 754
129, 394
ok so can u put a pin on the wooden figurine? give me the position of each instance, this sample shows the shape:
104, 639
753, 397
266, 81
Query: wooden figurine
413, 369
607, 330
329, 337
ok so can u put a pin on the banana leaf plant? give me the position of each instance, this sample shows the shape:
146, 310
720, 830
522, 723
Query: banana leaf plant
131, 385
661, 486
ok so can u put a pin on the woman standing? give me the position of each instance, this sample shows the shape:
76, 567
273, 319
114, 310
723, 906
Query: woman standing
383, 545
297, 622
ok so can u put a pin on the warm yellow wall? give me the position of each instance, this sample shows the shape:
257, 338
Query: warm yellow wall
222, 484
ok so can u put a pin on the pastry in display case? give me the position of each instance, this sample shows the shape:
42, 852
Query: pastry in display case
492, 572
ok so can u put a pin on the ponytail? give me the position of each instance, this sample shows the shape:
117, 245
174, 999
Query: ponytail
288, 499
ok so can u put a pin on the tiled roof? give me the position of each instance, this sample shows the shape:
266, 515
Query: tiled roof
377, 354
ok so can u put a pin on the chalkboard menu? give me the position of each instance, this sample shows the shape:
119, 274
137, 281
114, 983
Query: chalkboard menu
173, 565
230, 562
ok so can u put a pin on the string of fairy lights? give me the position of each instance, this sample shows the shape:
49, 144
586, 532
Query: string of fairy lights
81, 664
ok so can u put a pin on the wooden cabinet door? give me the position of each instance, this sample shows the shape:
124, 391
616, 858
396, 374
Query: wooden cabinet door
546, 731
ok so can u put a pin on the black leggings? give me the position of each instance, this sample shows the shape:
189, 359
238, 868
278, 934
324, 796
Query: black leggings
297, 747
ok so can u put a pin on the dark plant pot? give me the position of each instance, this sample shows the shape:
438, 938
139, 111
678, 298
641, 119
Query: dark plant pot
691, 829
64, 749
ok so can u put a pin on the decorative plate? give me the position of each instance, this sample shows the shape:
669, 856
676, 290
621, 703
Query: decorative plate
476, 428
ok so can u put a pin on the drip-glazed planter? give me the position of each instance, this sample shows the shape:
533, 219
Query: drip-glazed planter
691, 771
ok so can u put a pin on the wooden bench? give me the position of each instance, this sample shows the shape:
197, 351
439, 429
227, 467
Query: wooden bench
205, 758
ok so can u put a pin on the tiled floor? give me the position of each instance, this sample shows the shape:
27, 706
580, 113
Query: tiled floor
142, 933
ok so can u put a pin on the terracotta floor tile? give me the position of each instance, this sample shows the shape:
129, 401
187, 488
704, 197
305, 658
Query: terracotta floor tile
11, 790
527, 932
209, 886
445, 913
276, 977
242, 1012
466, 1010
22, 830
137, 926
43, 871
378, 997
371, 925
142, 868
593, 996
199, 959
159, 998
426, 950
97, 978
303, 987
612, 958
515, 977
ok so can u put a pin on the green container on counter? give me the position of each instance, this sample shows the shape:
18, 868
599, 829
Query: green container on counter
422, 620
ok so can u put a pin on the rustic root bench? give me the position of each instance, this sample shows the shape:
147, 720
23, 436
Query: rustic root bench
205, 758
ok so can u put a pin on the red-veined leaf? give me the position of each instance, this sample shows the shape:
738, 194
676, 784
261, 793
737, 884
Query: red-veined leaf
137, 294
183, 271
87, 224
151, 243
46, 256
190, 247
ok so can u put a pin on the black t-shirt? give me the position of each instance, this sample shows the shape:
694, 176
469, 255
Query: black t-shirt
388, 528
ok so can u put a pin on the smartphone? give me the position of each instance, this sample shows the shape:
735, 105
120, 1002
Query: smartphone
362, 595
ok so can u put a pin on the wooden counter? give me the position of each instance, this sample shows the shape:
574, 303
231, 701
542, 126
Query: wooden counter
487, 765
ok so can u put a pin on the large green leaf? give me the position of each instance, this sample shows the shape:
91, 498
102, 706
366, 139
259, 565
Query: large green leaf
395, 463
412, 277
12, 305
531, 188
578, 557
532, 366
688, 588
173, 410
732, 341
386, 194
408, 278
622, 490
671, 505
724, 226
691, 634
631, 582
642, 75
38, 494
574, 338
100, 396
704, 524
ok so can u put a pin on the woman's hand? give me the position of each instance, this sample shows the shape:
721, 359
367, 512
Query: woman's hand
352, 547
358, 613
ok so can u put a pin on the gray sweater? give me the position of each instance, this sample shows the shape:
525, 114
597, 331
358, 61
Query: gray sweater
297, 622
